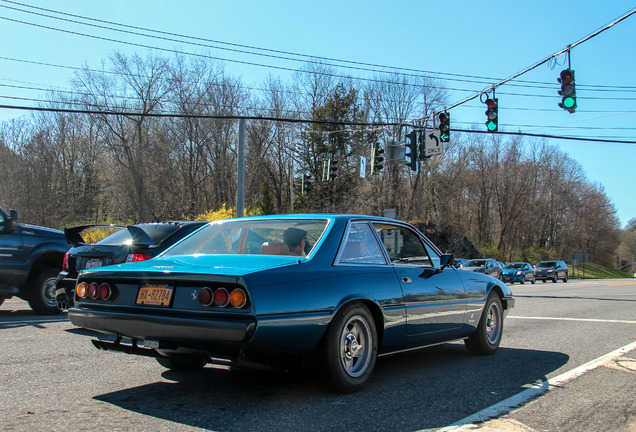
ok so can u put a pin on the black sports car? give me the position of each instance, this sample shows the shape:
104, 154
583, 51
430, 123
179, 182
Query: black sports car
126, 244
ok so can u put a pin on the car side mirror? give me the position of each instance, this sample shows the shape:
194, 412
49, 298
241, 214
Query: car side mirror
11, 225
446, 260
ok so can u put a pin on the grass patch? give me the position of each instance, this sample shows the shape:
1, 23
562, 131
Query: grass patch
595, 271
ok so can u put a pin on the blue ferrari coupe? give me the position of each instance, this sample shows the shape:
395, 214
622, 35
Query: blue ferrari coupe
342, 289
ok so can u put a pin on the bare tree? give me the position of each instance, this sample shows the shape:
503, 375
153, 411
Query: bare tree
138, 85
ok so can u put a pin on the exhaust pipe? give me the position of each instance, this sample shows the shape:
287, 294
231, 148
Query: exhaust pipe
62, 305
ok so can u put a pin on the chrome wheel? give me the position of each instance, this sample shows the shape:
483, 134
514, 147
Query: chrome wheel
487, 336
493, 323
355, 354
351, 347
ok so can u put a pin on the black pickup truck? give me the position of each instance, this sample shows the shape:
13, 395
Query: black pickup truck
30, 259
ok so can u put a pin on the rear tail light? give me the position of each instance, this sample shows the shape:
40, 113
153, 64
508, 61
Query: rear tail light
105, 292
65, 262
82, 290
220, 297
93, 290
238, 298
137, 257
205, 296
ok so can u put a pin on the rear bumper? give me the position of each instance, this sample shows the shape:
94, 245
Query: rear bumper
175, 330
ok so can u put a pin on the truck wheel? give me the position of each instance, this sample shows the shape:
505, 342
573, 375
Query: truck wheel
42, 292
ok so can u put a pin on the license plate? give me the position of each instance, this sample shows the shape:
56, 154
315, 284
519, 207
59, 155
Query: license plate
154, 295
93, 263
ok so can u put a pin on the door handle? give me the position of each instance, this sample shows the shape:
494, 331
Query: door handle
406, 280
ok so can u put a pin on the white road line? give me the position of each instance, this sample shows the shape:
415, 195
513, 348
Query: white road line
506, 406
572, 319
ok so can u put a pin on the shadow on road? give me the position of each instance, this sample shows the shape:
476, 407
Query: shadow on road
429, 388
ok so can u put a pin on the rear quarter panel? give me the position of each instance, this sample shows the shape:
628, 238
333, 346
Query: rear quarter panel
294, 305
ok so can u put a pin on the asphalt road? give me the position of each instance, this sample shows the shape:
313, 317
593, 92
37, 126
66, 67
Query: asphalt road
552, 373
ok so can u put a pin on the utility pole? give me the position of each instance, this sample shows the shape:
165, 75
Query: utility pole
240, 181
291, 185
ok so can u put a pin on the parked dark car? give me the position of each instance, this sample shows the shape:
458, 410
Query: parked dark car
487, 266
460, 262
336, 289
30, 259
126, 244
551, 270
519, 272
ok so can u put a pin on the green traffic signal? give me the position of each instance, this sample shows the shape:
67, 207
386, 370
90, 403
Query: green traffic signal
492, 114
444, 127
569, 102
568, 90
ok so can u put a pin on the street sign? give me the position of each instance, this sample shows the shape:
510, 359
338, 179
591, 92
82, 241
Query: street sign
363, 166
432, 143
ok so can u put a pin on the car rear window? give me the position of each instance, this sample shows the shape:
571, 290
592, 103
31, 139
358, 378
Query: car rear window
252, 237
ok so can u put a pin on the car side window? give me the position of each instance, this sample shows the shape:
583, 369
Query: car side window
403, 245
361, 246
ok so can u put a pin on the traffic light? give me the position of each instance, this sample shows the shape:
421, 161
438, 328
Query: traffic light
568, 90
329, 169
376, 158
444, 127
333, 169
492, 115
306, 184
411, 150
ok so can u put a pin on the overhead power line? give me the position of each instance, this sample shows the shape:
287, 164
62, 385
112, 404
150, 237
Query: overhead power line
539, 63
279, 54
289, 120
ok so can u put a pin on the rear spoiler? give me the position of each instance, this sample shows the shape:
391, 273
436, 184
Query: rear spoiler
139, 236
74, 237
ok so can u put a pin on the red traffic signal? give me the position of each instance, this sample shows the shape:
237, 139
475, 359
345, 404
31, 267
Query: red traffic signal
566, 76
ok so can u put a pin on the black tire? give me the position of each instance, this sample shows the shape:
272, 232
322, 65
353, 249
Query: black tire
523, 280
351, 348
565, 278
42, 292
182, 364
555, 279
544, 281
533, 280
487, 337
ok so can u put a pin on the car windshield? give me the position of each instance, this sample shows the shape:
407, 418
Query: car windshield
475, 263
514, 266
547, 264
253, 237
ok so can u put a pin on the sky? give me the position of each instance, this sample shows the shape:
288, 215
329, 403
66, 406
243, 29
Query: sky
451, 40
